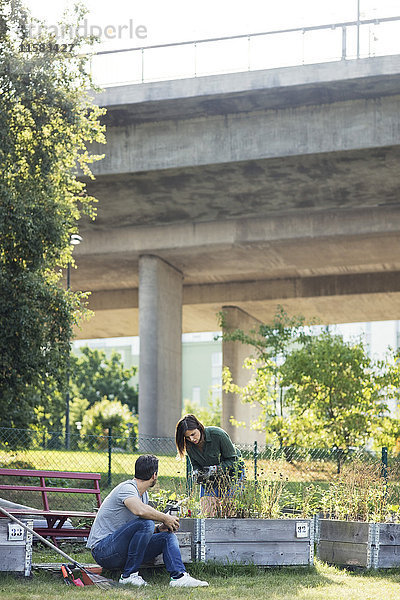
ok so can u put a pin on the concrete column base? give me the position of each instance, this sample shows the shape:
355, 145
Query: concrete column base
233, 357
160, 360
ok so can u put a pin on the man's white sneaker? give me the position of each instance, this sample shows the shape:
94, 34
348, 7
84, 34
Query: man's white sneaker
187, 581
133, 579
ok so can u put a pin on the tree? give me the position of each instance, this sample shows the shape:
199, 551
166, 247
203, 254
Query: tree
315, 390
94, 376
46, 121
338, 389
112, 415
271, 343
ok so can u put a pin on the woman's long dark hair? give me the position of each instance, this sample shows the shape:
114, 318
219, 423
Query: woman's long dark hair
187, 423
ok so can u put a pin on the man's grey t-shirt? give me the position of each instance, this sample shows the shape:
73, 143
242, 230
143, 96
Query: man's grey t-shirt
113, 513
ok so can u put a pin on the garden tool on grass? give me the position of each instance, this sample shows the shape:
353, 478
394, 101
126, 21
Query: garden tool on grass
69, 578
98, 580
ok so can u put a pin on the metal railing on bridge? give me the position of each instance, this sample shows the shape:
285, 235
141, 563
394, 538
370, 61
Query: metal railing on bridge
250, 52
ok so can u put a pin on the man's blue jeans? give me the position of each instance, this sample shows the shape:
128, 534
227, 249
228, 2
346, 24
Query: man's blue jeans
136, 543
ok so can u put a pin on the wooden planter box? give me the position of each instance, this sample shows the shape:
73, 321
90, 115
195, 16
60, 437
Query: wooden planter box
15, 547
185, 546
266, 542
358, 544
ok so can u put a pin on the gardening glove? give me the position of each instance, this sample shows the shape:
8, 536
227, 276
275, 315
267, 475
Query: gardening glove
195, 474
213, 470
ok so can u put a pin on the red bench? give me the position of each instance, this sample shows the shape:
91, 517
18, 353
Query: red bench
55, 518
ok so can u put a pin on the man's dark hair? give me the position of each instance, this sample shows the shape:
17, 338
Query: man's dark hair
145, 466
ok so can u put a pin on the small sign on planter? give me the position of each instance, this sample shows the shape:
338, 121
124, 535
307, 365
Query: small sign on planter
15, 533
302, 529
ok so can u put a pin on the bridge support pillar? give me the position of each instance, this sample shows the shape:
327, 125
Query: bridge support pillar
160, 359
233, 357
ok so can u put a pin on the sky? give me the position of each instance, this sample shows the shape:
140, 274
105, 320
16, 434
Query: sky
178, 20
143, 24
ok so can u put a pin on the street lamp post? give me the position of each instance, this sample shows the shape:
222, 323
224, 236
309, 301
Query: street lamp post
75, 240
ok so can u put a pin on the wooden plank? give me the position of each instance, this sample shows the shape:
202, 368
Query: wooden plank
47, 488
12, 557
388, 557
13, 553
49, 513
389, 534
184, 538
185, 546
342, 553
57, 565
343, 531
265, 554
187, 525
186, 553
262, 530
49, 474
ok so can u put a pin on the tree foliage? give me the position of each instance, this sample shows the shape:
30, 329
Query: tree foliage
271, 343
94, 376
338, 389
208, 415
110, 415
315, 390
46, 121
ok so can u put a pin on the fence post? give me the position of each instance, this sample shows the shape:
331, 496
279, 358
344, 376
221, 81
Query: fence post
189, 482
109, 456
384, 468
255, 455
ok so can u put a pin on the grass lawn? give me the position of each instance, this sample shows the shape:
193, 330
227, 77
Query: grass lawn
226, 583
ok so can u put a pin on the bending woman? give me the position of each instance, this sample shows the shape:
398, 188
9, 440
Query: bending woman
216, 463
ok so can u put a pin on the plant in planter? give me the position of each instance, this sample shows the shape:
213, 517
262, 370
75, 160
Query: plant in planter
249, 528
248, 499
359, 494
362, 528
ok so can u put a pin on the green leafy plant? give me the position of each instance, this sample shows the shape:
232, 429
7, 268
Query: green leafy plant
94, 376
106, 415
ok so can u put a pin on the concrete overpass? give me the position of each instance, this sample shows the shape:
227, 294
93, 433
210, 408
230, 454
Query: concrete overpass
246, 190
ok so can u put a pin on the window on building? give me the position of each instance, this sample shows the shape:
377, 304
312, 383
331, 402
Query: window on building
196, 395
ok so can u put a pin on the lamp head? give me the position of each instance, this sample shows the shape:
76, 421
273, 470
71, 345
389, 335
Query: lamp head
75, 239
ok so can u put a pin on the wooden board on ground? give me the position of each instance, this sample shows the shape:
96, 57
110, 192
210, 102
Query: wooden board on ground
259, 553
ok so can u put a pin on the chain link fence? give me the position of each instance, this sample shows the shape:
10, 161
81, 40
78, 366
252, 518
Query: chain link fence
293, 467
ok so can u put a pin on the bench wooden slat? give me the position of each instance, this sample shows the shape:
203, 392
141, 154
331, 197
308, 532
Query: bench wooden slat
46, 488
37, 512
50, 474
67, 532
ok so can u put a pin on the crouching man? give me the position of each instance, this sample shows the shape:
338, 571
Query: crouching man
123, 535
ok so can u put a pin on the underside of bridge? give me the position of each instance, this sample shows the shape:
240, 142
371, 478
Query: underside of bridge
319, 234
